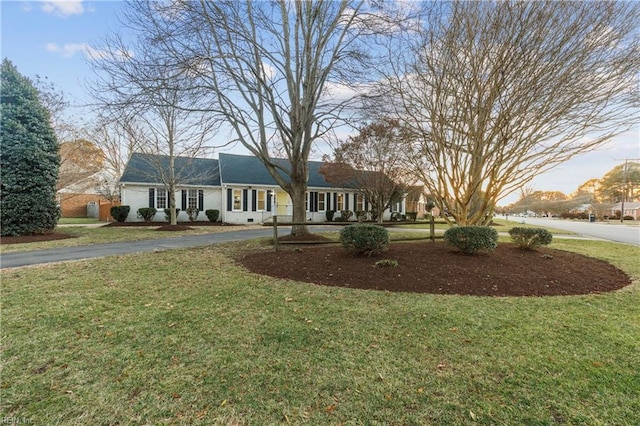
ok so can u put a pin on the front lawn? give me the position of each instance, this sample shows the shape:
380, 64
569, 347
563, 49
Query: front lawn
189, 337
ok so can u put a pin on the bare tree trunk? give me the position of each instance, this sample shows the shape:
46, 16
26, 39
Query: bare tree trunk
297, 195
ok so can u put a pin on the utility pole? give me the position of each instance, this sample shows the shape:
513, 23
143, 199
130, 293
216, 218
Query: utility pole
624, 184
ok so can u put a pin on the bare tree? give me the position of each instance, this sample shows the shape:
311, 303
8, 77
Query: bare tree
499, 92
275, 71
118, 140
372, 164
149, 99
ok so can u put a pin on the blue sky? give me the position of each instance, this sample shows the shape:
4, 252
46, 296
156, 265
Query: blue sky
51, 39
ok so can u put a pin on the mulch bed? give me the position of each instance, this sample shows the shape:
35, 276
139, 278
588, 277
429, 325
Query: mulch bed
47, 236
432, 267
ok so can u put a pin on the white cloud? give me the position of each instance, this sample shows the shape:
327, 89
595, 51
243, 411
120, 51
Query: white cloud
63, 8
70, 49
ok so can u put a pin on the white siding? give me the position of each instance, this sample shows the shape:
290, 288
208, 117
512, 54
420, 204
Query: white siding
136, 196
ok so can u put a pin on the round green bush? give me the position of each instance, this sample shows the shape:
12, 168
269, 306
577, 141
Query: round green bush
364, 239
472, 239
212, 214
120, 213
167, 214
530, 238
146, 213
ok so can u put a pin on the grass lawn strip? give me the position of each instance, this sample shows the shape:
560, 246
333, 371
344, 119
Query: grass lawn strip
188, 337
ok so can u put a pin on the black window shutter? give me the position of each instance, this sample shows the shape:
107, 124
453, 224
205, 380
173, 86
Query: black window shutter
152, 197
200, 200
366, 205
254, 200
355, 201
269, 200
346, 201
184, 199
229, 199
314, 201
335, 200
245, 199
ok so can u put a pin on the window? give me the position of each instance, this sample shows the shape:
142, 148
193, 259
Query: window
161, 198
321, 201
192, 199
340, 202
237, 199
360, 203
306, 201
261, 200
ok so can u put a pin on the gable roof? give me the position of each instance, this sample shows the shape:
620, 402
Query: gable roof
249, 170
231, 169
143, 168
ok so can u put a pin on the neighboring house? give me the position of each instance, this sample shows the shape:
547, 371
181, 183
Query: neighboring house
239, 186
631, 208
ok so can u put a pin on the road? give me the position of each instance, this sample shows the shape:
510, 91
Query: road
610, 231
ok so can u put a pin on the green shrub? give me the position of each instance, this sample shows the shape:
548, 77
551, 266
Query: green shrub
212, 214
386, 263
167, 214
29, 158
329, 215
193, 213
628, 217
530, 238
471, 239
412, 216
364, 239
146, 213
361, 215
120, 213
345, 215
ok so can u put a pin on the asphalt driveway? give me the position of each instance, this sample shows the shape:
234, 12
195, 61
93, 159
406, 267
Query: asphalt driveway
13, 260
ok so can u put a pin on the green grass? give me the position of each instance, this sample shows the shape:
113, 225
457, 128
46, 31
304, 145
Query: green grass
188, 337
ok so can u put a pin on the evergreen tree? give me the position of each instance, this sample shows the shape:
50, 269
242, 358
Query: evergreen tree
29, 158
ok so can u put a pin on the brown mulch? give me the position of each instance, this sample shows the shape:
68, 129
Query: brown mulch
177, 227
432, 267
47, 236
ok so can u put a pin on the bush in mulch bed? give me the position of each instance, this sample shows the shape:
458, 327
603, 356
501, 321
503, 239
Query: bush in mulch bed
156, 224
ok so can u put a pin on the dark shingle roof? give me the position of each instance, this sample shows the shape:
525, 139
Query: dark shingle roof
229, 168
144, 168
249, 170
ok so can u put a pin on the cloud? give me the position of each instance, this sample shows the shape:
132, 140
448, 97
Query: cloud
69, 50
63, 8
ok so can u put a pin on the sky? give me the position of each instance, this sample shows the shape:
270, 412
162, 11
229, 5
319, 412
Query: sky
53, 39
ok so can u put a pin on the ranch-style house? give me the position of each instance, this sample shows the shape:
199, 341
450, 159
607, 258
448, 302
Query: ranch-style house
239, 186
